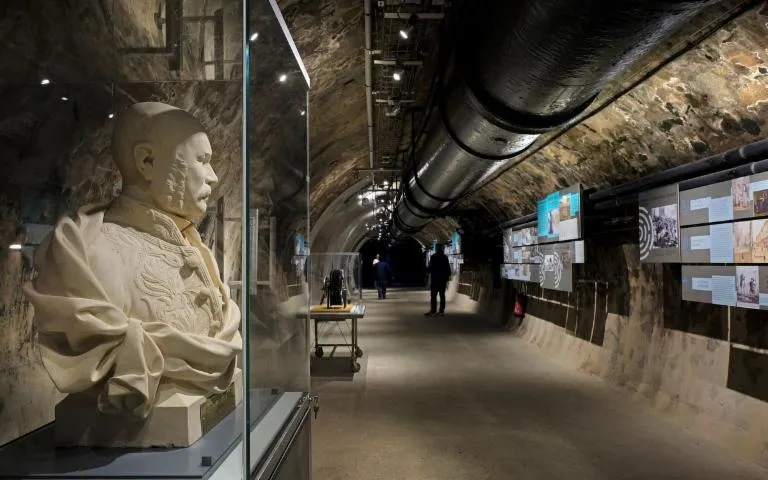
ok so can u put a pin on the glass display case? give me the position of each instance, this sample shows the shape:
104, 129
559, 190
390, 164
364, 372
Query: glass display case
155, 282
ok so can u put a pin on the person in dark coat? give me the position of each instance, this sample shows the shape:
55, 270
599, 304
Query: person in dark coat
439, 273
383, 275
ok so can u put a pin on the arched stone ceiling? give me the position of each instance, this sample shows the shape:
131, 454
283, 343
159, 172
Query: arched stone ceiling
711, 99
707, 100
331, 39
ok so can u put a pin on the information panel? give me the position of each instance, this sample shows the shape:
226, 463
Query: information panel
710, 284
524, 273
560, 215
708, 244
550, 265
556, 266
744, 286
659, 225
515, 240
737, 199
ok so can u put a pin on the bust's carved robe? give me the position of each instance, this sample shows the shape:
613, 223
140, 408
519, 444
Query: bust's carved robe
128, 301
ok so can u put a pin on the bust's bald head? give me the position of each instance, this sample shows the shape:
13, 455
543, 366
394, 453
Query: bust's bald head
164, 152
154, 123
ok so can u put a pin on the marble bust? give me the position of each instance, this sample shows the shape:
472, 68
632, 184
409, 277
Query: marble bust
131, 314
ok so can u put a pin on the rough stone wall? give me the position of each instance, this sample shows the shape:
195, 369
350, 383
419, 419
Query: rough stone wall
703, 365
330, 36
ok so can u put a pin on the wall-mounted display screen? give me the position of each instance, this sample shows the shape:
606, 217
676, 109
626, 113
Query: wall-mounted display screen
455, 247
431, 251
744, 286
659, 225
559, 215
737, 199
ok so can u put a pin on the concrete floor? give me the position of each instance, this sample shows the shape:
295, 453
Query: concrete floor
448, 399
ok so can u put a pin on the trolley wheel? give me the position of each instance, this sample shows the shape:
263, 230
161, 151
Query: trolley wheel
355, 367
358, 352
319, 352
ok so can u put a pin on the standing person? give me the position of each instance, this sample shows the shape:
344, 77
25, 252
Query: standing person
375, 261
383, 274
439, 273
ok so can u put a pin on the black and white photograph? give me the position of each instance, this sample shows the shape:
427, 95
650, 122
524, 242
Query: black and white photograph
549, 263
664, 224
747, 287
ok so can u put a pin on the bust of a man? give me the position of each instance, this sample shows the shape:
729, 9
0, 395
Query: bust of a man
129, 306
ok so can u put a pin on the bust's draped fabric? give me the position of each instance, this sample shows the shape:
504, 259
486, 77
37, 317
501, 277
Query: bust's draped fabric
127, 299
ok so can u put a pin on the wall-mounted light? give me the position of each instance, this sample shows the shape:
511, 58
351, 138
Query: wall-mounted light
282, 78
303, 112
45, 81
254, 36
111, 116
64, 99
407, 31
397, 75
15, 246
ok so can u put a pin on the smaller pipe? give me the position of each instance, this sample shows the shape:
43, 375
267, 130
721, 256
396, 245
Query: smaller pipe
503, 226
730, 158
708, 179
369, 81
525, 219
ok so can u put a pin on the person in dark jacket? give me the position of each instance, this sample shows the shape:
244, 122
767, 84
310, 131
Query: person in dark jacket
383, 275
439, 273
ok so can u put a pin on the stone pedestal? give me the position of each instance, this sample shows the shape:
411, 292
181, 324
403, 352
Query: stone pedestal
177, 420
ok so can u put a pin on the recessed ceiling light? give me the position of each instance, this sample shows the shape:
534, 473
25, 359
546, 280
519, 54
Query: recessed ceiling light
398, 75
111, 115
283, 77
303, 112
64, 99
254, 36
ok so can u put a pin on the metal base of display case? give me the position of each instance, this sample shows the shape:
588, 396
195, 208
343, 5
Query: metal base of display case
217, 455
353, 314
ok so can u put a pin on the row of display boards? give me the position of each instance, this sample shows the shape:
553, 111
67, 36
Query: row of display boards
452, 250
545, 254
718, 231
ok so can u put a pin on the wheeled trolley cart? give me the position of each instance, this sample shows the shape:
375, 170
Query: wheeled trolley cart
349, 315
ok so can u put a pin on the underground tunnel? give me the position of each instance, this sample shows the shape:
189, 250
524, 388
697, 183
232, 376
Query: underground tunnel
201, 198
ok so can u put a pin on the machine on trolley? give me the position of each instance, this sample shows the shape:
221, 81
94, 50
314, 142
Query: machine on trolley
337, 277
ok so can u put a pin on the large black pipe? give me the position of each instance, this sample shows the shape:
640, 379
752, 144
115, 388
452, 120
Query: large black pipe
523, 68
